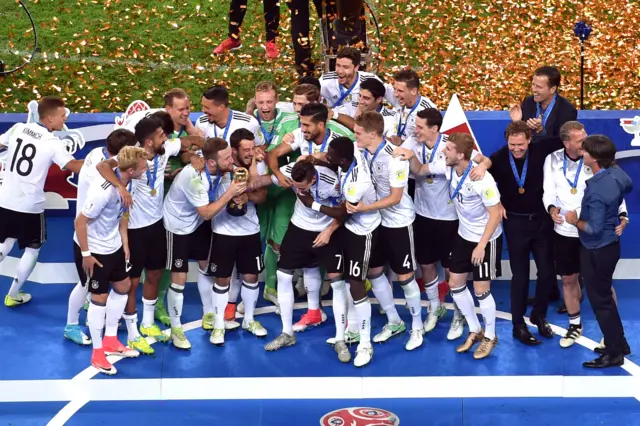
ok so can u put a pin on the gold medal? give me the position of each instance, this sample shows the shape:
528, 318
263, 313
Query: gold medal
126, 215
521, 190
153, 192
450, 201
429, 180
574, 191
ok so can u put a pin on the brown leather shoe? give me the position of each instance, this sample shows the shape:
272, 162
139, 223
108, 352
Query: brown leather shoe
471, 340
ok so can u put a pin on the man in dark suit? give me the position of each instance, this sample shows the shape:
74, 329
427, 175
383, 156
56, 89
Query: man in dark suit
545, 111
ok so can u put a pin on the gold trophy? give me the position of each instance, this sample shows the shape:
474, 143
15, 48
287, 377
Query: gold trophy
240, 175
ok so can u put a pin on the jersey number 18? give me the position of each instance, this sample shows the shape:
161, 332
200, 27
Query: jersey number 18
27, 154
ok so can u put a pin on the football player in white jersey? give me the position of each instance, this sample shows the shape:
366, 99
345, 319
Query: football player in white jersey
220, 121
407, 103
436, 218
117, 140
358, 235
309, 244
390, 176
193, 200
312, 137
371, 98
343, 85
478, 245
101, 256
31, 150
236, 240
146, 231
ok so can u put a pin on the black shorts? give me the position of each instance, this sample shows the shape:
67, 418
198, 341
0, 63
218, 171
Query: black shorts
566, 254
435, 240
182, 248
30, 229
148, 248
243, 251
113, 270
489, 269
395, 248
297, 251
357, 251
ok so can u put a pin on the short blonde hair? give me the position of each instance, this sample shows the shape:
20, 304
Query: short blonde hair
266, 86
129, 157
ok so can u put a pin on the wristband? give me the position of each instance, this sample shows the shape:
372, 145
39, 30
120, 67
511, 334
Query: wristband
86, 254
316, 206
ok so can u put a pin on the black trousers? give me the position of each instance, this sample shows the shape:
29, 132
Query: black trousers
597, 267
300, 31
271, 17
530, 234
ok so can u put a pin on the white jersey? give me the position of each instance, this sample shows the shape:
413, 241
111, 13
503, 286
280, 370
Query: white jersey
147, 208
237, 120
472, 201
285, 107
432, 192
335, 94
388, 172
308, 147
225, 224
406, 116
31, 149
135, 118
189, 190
324, 191
104, 209
356, 186
89, 173
389, 116
557, 191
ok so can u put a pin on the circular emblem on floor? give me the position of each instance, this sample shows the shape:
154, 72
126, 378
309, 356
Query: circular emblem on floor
360, 416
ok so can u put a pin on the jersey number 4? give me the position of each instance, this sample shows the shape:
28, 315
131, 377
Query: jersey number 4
23, 154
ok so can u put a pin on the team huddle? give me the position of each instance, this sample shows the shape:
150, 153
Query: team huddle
338, 187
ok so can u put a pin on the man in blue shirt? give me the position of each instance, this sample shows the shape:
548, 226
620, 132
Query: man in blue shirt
600, 250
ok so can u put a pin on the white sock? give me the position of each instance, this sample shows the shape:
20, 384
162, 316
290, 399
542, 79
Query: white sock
96, 316
26, 266
433, 295
352, 316
249, 293
205, 286
116, 303
574, 319
462, 296
339, 307
383, 292
412, 295
76, 302
286, 300
220, 300
488, 310
6, 247
312, 283
175, 300
132, 326
363, 310
148, 312
234, 288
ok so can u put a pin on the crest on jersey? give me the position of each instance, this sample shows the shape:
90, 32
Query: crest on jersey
60, 185
178, 263
134, 107
360, 416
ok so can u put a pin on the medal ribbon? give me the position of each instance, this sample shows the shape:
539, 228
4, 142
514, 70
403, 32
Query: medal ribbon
212, 188
375, 154
130, 184
519, 178
546, 114
344, 181
152, 179
401, 128
343, 93
573, 184
226, 128
268, 136
324, 143
464, 176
